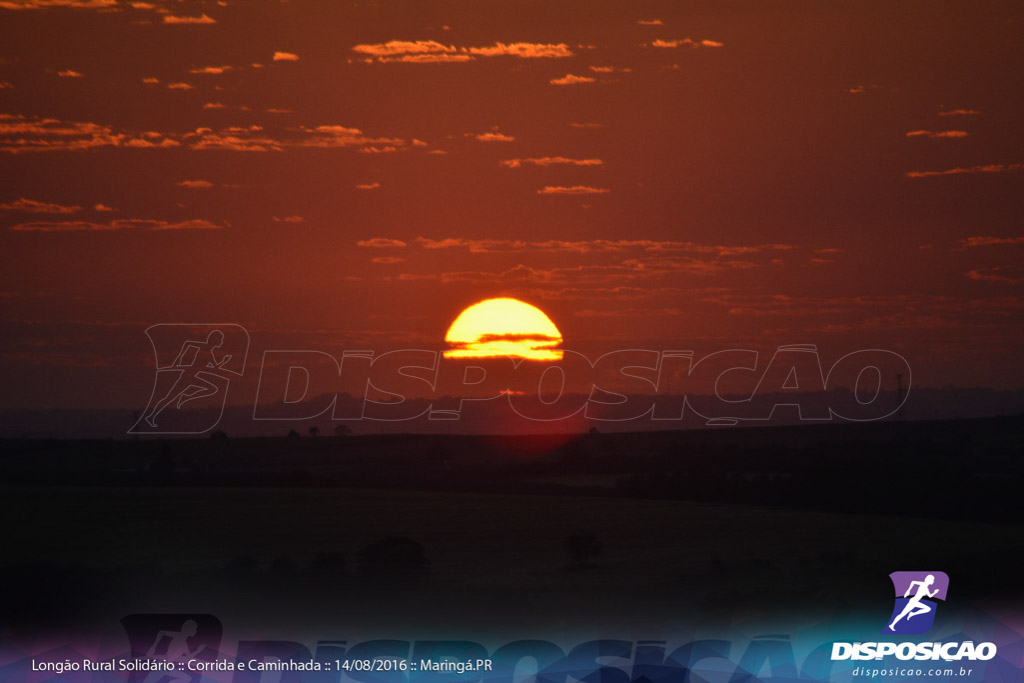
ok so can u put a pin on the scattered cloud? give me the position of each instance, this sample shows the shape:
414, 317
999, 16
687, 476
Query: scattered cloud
1007, 275
431, 51
255, 139
124, 224
215, 105
938, 133
68, 73
285, 57
5, 84
523, 50
960, 112
233, 138
610, 69
571, 79
372, 149
22, 134
650, 22
213, 70
989, 168
150, 80
427, 58
381, 243
33, 206
575, 189
990, 241
586, 125
686, 42
180, 86
288, 219
45, 4
103, 208
201, 19
388, 259
341, 136
402, 47
550, 161
195, 184
494, 137
367, 186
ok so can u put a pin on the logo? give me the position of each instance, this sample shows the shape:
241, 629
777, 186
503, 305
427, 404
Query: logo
913, 612
914, 608
194, 368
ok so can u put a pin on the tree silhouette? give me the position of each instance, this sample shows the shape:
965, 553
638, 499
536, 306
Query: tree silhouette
314, 430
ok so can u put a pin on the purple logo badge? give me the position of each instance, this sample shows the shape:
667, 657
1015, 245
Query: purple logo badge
916, 596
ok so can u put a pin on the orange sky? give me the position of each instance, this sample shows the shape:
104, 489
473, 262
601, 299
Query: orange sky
664, 175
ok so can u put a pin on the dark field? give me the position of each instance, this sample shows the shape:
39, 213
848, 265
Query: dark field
493, 534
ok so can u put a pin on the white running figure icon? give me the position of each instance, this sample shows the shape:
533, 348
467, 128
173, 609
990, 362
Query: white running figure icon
914, 606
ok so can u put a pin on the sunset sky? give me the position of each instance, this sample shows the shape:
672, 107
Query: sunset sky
664, 175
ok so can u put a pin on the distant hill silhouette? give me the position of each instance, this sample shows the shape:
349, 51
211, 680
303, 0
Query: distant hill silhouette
482, 417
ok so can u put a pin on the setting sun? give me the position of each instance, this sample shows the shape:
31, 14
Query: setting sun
503, 327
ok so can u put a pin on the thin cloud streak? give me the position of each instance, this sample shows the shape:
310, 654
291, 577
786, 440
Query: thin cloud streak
990, 241
550, 161
1006, 275
686, 42
989, 168
574, 189
494, 137
381, 243
116, 225
432, 51
46, 4
21, 134
33, 206
938, 133
571, 79
200, 20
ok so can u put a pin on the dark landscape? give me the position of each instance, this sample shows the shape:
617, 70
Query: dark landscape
447, 528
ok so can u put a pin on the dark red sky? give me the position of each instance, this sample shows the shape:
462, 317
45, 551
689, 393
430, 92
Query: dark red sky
700, 175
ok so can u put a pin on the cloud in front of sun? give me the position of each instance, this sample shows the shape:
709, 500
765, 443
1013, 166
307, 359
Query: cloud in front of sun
503, 327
